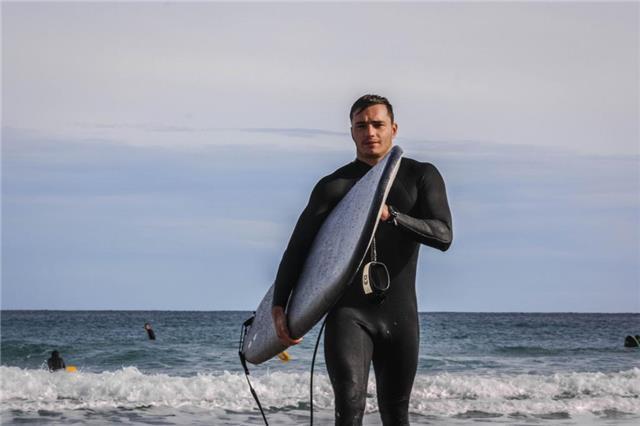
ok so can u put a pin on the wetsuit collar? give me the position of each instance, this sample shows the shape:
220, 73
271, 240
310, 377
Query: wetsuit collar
362, 164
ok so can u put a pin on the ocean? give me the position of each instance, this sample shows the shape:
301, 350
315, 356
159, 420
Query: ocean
500, 368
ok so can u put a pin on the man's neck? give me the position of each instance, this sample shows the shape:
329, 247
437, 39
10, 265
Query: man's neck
372, 161
368, 161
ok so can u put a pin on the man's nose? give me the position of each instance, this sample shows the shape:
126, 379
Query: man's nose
370, 129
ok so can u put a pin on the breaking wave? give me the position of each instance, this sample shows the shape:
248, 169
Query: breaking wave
459, 395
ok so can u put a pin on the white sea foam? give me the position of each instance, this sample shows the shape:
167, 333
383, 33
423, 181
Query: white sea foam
438, 395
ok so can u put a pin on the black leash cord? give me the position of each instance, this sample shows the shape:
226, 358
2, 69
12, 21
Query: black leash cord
313, 361
243, 361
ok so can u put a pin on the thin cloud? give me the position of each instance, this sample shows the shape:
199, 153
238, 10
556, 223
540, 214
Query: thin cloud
291, 132
295, 132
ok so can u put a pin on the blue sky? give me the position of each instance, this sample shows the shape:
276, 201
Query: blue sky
157, 155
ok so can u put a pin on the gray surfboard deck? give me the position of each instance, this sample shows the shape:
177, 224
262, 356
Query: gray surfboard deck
334, 258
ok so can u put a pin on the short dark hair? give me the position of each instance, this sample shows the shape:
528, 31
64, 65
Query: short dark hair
366, 101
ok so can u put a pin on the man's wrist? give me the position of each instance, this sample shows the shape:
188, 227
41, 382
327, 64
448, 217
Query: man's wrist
393, 215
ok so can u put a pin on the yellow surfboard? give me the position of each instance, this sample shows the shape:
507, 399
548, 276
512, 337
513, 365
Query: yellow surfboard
284, 356
71, 369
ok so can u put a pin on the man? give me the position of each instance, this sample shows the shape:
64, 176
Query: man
150, 333
55, 363
632, 341
360, 331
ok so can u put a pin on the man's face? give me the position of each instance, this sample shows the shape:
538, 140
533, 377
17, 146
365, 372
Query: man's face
373, 131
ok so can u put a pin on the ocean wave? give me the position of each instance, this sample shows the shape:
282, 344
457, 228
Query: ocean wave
457, 395
536, 351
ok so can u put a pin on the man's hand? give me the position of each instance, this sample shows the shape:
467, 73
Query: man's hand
385, 215
282, 330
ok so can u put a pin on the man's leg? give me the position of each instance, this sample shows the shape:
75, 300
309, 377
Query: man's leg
395, 364
347, 349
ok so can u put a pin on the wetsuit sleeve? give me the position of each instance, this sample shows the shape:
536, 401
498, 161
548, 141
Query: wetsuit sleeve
433, 226
306, 228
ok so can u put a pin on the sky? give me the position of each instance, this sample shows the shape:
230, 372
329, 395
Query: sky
157, 155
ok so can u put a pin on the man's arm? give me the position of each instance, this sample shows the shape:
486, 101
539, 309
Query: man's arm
317, 209
309, 222
433, 227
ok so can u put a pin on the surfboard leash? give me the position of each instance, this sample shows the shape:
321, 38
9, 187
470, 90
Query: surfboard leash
243, 361
313, 362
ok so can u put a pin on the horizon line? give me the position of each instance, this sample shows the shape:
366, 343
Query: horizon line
247, 311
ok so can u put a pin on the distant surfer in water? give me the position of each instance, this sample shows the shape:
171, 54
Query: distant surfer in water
150, 332
55, 363
632, 341
360, 329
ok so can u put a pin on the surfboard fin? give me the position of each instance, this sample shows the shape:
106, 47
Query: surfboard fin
284, 356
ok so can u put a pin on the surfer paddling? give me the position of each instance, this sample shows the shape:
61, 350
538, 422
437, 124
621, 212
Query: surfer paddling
376, 320
55, 362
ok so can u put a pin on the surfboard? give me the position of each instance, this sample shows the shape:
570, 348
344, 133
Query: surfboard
333, 260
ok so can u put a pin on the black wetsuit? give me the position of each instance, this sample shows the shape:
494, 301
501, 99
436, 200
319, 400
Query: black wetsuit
55, 363
151, 334
358, 331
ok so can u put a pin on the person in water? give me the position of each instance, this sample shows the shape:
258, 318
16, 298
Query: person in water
632, 341
55, 363
361, 330
150, 332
